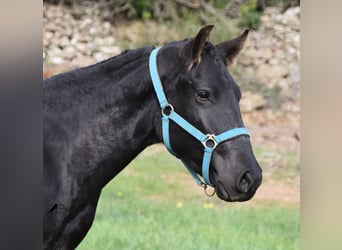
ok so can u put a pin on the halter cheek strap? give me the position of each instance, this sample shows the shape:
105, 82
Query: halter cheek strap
209, 141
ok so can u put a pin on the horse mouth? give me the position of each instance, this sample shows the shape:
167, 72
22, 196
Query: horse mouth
227, 195
222, 192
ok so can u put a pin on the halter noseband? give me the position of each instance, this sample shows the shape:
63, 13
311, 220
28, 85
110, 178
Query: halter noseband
209, 141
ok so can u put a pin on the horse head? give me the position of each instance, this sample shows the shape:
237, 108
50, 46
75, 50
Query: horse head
195, 77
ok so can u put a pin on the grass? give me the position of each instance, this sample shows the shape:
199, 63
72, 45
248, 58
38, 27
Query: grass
155, 204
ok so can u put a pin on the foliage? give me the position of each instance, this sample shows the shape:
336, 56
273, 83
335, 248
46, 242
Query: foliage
220, 4
143, 8
250, 15
213, 11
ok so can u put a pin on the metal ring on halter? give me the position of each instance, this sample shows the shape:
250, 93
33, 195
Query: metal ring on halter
205, 186
169, 108
210, 138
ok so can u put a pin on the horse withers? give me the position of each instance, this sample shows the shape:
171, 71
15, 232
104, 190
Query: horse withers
99, 118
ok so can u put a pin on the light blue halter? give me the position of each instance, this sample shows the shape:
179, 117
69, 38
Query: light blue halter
209, 141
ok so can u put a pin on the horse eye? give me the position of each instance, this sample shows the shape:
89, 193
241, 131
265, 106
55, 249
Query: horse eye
203, 95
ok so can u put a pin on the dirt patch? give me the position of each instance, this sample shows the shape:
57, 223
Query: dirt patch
276, 138
272, 190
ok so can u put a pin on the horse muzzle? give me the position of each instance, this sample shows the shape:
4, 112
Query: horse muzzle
238, 184
243, 191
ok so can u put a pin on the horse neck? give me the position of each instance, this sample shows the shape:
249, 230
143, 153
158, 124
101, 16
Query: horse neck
113, 112
129, 109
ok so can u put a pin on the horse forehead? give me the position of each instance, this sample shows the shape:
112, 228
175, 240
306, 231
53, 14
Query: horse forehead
212, 61
212, 69
216, 75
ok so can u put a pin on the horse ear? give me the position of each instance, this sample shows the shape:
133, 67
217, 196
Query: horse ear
194, 47
230, 49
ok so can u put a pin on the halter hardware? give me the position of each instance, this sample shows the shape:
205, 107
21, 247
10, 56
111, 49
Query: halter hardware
167, 110
209, 141
205, 187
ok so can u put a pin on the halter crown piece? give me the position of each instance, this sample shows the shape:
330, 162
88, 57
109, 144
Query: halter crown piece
209, 141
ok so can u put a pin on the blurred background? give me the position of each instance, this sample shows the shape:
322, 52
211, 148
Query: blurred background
155, 199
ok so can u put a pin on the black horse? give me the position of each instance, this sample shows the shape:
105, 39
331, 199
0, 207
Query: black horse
99, 118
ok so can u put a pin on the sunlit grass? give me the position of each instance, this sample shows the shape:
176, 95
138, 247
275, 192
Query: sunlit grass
155, 204
146, 224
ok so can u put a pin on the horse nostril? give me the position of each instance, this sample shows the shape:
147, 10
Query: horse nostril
245, 182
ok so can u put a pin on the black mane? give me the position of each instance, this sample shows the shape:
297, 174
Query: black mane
125, 57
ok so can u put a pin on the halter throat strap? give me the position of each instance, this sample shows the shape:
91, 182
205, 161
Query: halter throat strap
209, 141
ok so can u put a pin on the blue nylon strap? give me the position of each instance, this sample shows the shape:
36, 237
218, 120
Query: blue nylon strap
194, 174
195, 133
156, 80
187, 126
158, 87
230, 134
206, 164
166, 137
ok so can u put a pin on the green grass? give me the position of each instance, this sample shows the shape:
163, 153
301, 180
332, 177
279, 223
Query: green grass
155, 204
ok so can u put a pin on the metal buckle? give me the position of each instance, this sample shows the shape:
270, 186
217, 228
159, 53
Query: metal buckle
205, 186
167, 110
210, 138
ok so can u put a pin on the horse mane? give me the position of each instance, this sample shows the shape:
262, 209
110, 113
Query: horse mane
124, 58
